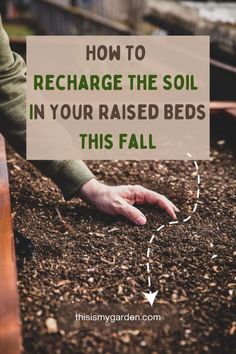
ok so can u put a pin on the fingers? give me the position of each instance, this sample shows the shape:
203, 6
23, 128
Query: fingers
174, 206
166, 205
131, 213
143, 195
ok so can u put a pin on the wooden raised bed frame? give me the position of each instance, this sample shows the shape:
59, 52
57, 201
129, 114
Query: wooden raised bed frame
10, 331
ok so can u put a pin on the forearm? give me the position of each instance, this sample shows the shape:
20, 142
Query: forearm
68, 175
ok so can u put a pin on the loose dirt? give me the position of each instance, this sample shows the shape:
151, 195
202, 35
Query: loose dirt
81, 255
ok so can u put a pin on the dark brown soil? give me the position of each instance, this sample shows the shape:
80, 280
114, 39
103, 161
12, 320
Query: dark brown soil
82, 255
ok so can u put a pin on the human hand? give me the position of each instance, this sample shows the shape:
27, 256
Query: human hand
120, 200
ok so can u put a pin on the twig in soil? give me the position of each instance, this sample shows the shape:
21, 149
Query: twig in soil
59, 214
109, 262
64, 223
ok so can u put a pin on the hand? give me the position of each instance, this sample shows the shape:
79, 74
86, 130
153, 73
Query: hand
119, 200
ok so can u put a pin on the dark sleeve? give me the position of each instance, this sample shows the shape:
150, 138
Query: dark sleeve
68, 175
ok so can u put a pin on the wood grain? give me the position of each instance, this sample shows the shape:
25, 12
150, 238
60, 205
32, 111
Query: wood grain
10, 333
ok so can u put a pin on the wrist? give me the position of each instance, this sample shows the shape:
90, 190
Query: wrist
89, 190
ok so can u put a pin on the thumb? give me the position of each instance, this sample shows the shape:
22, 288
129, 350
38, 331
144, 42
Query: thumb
133, 214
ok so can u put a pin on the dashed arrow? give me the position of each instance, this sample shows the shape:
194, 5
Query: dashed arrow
151, 297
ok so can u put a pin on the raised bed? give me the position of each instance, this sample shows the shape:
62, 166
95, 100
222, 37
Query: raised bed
10, 336
82, 256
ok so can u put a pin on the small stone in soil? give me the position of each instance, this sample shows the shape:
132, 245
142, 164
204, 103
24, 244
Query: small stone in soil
51, 325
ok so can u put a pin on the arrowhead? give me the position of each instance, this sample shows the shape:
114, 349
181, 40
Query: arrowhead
151, 297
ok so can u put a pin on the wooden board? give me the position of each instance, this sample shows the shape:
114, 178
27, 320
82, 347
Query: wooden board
226, 107
10, 333
184, 19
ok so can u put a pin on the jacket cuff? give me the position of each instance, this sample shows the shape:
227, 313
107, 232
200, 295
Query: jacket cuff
71, 177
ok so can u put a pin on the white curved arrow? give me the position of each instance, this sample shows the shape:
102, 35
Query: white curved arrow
150, 296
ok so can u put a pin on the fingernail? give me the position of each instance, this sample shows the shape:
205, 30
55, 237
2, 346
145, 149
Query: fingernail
141, 220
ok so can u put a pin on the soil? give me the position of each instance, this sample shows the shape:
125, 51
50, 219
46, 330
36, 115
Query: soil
81, 255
